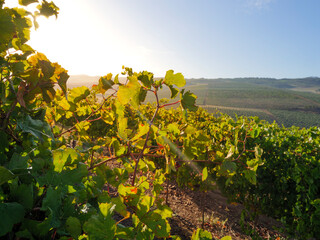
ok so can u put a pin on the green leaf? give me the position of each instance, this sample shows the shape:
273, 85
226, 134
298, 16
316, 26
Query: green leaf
62, 77
11, 213
4, 144
188, 100
201, 234
228, 166
37, 128
74, 176
130, 93
47, 68
143, 130
174, 91
142, 95
174, 79
79, 93
106, 208
204, 174
17, 161
251, 176
146, 78
122, 129
27, 2
255, 133
7, 28
5, 175
48, 9
98, 228
173, 128
22, 194
73, 226
105, 83
108, 117
63, 156
52, 204
226, 238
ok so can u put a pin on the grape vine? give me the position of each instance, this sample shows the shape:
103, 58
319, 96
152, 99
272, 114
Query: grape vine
81, 163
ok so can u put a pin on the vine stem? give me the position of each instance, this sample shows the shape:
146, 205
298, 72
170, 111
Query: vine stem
147, 138
107, 160
169, 104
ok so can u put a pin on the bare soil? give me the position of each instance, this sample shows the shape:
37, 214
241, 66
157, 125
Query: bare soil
221, 218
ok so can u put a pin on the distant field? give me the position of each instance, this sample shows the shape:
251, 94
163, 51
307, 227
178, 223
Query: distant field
286, 101
267, 99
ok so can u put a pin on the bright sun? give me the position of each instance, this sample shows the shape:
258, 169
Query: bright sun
80, 40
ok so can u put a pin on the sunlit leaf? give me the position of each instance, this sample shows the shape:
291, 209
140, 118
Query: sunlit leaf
143, 129
105, 83
48, 9
201, 234
106, 208
130, 93
204, 173
61, 157
78, 93
174, 79
226, 238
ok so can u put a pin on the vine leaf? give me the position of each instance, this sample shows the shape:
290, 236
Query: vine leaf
73, 226
27, 2
204, 174
174, 79
229, 167
7, 28
174, 91
201, 234
61, 157
105, 83
5, 175
143, 129
146, 78
188, 100
37, 128
99, 227
11, 213
79, 93
48, 9
226, 238
130, 93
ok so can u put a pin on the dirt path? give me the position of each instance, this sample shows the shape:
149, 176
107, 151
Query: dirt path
220, 217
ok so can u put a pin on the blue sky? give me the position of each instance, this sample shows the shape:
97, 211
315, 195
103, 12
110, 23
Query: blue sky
200, 38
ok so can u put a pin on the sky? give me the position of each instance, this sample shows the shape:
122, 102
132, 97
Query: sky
199, 38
